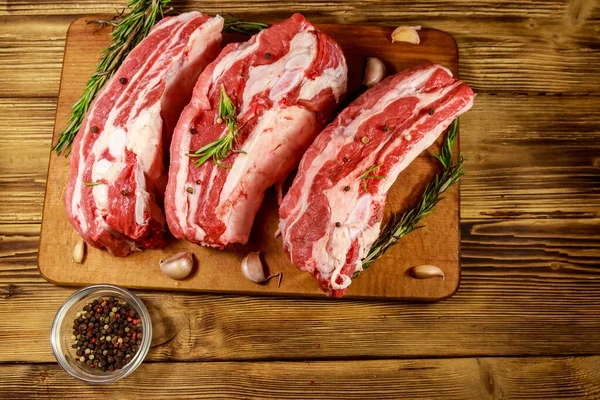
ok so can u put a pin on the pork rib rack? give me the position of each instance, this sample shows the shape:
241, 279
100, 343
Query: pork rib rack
116, 185
331, 215
284, 83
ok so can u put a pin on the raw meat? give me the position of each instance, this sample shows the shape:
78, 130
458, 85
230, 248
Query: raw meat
115, 190
328, 220
285, 83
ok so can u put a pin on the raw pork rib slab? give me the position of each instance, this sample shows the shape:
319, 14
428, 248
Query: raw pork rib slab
285, 83
328, 220
115, 190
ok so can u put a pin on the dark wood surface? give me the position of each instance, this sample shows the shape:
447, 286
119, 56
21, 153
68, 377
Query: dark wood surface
526, 320
219, 271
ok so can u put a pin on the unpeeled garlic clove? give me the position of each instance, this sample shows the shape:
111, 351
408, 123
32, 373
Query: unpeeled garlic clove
254, 270
79, 251
252, 267
406, 34
375, 71
178, 266
427, 271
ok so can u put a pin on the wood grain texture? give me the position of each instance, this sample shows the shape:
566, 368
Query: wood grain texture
219, 271
538, 47
531, 277
531, 157
472, 378
505, 307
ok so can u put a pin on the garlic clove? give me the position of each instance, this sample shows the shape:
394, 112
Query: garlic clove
178, 266
375, 71
252, 267
79, 252
406, 34
427, 271
254, 270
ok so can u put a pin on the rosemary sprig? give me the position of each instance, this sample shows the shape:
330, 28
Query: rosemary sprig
367, 175
402, 224
128, 33
236, 25
220, 148
93, 183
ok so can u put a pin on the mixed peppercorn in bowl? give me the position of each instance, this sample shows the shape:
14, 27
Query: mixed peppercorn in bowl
101, 334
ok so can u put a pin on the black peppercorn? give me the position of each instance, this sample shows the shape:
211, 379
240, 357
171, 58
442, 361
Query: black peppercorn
94, 130
122, 81
431, 111
268, 56
338, 224
193, 131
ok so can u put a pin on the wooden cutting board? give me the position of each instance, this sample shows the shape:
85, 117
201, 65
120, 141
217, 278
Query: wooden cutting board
217, 271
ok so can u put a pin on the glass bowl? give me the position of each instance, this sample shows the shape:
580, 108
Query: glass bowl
62, 331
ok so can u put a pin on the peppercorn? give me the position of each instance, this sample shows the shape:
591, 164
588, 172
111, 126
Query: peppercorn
268, 56
385, 128
122, 81
125, 192
94, 130
106, 335
193, 131
431, 111
346, 188
338, 224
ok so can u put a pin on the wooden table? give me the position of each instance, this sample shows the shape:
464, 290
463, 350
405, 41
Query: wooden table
526, 320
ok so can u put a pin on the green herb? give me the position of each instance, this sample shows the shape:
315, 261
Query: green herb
129, 32
366, 175
236, 25
93, 183
402, 224
220, 148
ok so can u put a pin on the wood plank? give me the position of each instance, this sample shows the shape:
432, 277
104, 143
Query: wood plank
31, 54
538, 47
25, 137
219, 271
531, 157
472, 378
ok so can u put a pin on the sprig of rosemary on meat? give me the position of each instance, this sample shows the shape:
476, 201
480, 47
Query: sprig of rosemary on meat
402, 224
220, 148
236, 25
367, 175
128, 33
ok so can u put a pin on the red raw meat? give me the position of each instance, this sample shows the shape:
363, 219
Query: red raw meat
120, 144
285, 83
328, 220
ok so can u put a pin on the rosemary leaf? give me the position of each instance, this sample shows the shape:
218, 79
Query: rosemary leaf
128, 33
366, 175
236, 25
93, 183
402, 224
220, 148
